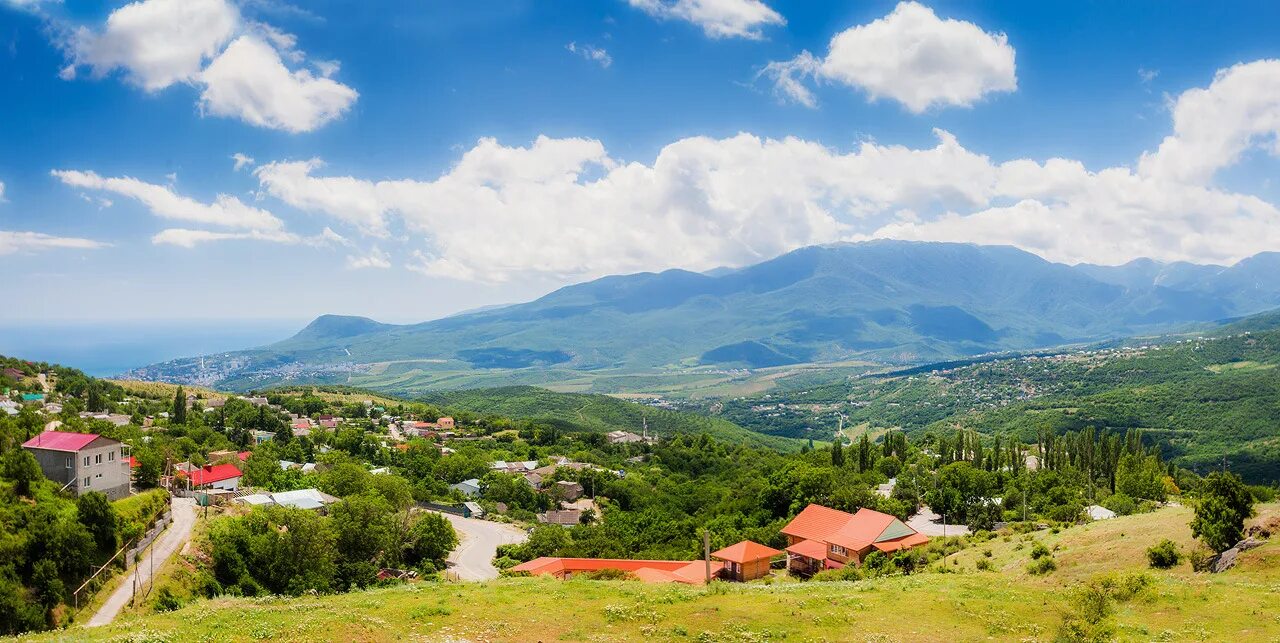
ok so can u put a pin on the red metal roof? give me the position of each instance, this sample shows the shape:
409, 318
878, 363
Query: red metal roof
211, 474
243, 455
745, 551
854, 532
61, 441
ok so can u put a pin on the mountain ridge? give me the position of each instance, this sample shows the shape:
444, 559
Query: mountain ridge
887, 301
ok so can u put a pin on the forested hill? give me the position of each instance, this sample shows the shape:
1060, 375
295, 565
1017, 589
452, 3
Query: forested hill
891, 301
1203, 400
600, 413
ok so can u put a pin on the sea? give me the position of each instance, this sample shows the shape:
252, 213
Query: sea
109, 348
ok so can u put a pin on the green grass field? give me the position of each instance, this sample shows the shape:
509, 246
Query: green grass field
968, 605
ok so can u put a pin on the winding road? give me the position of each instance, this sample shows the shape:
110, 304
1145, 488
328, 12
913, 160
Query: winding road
473, 558
173, 538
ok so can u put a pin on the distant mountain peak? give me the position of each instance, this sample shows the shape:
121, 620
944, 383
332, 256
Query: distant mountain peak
338, 327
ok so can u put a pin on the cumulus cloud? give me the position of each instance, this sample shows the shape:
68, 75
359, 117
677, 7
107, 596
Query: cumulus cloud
375, 259
911, 56
240, 66
241, 161
591, 53
12, 242
1215, 125
717, 18
1, 191
158, 42
164, 202
249, 81
565, 208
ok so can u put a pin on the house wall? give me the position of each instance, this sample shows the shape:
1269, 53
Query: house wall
752, 570
107, 470
230, 484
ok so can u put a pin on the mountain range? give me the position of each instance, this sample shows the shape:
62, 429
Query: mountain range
886, 301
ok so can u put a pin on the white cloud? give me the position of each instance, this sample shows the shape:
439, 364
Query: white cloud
1, 191
1214, 126
344, 198
157, 42
241, 161
188, 238
12, 242
163, 202
375, 259
240, 66
249, 81
717, 18
910, 56
591, 53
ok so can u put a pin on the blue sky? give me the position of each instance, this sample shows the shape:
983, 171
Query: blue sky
428, 158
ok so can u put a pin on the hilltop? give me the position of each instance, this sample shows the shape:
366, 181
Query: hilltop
887, 301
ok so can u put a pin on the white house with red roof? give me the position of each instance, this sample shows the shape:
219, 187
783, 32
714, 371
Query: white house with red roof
821, 538
83, 461
213, 476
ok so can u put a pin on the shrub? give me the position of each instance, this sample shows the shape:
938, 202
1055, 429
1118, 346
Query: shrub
848, 572
1200, 559
1039, 551
605, 574
984, 565
1164, 555
1042, 566
166, 601
1121, 503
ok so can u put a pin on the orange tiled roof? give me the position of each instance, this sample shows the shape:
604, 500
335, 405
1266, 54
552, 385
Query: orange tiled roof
861, 530
816, 523
905, 542
679, 571
815, 549
745, 551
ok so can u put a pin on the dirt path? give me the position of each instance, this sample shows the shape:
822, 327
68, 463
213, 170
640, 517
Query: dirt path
173, 538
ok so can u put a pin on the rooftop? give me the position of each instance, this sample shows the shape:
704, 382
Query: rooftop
745, 551
60, 440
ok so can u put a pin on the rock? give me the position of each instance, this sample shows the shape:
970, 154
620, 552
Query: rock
1227, 559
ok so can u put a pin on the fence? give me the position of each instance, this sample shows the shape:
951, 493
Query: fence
130, 551
449, 509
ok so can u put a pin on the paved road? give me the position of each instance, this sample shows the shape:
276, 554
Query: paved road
473, 559
930, 524
173, 538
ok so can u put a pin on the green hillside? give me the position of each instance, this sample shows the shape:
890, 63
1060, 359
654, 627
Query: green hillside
1005, 604
578, 411
1201, 399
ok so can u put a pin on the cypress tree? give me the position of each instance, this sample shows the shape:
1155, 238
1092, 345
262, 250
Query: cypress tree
179, 413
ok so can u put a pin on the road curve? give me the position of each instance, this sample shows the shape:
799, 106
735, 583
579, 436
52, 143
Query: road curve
473, 558
173, 538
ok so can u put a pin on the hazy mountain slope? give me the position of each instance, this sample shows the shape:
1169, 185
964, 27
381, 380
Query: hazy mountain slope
885, 300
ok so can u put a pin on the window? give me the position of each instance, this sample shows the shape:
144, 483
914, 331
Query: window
86, 461
97, 459
837, 549
86, 482
98, 476
70, 462
111, 456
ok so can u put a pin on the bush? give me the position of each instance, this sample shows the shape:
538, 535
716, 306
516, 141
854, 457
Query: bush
1039, 551
1164, 555
984, 565
1200, 559
605, 574
1121, 503
1042, 566
166, 601
848, 572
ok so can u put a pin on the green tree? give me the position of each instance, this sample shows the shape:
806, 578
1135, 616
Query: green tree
95, 512
22, 468
150, 466
1223, 506
344, 480
363, 526
837, 452
178, 414
46, 583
